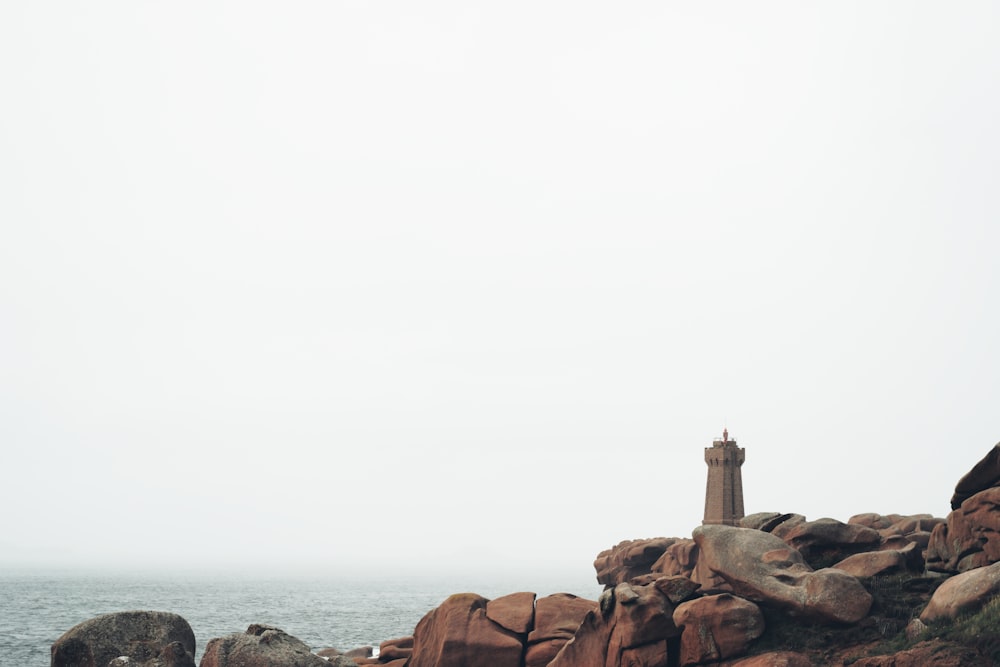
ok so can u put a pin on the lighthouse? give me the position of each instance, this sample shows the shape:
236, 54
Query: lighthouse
724, 490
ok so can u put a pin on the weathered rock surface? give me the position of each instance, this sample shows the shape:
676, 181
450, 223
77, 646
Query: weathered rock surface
458, 633
677, 559
260, 646
774, 659
984, 475
631, 628
516, 612
871, 563
629, 559
395, 649
717, 627
926, 653
971, 536
768, 521
557, 618
146, 638
826, 541
964, 592
763, 568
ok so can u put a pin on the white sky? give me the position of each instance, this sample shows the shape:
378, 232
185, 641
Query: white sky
405, 287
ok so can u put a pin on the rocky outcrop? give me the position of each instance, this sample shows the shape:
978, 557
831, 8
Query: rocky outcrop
146, 638
872, 563
458, 633
516, 612
825, 541
678, 559
260, 646
557, 618
774, 659
629, 559
984, 475
962, 593
632, 627
763, 568
717, 627
970, 537
395, 649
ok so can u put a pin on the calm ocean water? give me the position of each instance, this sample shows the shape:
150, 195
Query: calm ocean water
36, 609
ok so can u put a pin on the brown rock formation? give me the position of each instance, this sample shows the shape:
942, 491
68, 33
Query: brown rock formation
717, 627
145, 637
762, 568
984, 475
260, 646
557, 618
964, 592
678, 559
458, 633
871, 563
774, 659
631, 627
516, 612
971, 536
395, 649
825, 541
629, 559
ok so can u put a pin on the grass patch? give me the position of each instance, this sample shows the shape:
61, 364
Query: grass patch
978, 630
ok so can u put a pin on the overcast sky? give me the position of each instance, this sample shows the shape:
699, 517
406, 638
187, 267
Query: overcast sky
422, 286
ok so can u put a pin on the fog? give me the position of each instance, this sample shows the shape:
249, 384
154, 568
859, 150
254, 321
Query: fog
370, 287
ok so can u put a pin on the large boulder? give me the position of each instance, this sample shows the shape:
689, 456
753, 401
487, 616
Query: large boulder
971, 536
825, 541
774, 659
458, 633
144, 637
984, 475
678, 559
965, 592
557, 618
871, 563
631, 628
260, 646
395, 649
761, 567
717, 627
516, 612
628, 559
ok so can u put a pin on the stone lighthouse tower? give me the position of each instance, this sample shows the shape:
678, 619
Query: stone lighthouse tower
724, 491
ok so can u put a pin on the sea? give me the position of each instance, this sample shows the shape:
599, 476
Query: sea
324, 612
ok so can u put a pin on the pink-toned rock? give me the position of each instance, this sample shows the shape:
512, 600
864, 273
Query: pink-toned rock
677, 589
458, 634
763, 568
260, 646
717, 627
871, 520
971, 536
984, 475
630, 628
964, 592
678, 559
395, 649
629, 559
516, 611
870, 563
923, 654
771, 521
830, 540
557, 618
774, 659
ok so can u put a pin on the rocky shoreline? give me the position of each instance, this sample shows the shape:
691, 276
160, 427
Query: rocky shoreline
778, 589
